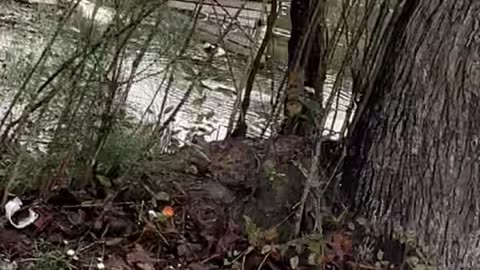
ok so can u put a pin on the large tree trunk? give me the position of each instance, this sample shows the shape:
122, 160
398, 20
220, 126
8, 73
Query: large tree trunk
413, 156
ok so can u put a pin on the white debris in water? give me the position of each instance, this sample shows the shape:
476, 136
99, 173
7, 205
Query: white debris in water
220, 52
46, 2
102, 16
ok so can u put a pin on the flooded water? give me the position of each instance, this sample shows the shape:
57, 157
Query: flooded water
217, 104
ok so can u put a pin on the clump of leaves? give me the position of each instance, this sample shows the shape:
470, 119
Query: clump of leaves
51, 261
274, 177
120, 151
257, 236
334, 249
417, 258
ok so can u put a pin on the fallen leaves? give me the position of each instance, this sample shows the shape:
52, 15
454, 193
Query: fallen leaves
193, 222
339, 249
140, 259
258, 236
115, 262
16, 243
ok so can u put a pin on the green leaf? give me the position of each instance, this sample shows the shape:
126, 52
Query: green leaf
253, 232
161, 218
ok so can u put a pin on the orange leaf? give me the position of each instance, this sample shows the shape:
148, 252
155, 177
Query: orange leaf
168, 211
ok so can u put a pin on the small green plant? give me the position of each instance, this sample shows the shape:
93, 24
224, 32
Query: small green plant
275, 178
253, 232
49, 258
52, 261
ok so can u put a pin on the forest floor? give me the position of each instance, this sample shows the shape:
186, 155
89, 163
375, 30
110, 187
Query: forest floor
219, 205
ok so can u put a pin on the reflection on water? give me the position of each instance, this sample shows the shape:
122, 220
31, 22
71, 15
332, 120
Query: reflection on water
210, 116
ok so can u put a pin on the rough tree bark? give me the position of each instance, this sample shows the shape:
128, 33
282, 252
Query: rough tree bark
414, 152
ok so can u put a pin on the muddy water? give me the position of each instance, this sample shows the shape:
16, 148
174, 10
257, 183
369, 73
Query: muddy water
218, 104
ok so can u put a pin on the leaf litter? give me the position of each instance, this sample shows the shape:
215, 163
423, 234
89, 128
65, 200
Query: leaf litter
226, 215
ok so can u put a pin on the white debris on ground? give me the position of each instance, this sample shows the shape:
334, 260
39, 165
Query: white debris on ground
12, 207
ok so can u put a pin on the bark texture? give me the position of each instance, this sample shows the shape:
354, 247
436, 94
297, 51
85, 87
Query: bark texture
312, 56
307, 62
414, 154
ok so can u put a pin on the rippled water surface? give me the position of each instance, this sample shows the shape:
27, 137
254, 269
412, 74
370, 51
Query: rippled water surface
217, 97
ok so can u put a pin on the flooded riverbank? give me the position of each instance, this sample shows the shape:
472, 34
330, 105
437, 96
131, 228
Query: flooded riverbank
213, 98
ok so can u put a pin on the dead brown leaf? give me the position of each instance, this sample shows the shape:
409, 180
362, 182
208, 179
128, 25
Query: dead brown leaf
145, 266
339, 248
139, 258
45, 219
189, 251
77, 218
113, 241
271, 234
16, 242
228, 240
198, 266
12, 236
116, 263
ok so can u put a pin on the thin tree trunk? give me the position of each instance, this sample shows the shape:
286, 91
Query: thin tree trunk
413, 155
307, 61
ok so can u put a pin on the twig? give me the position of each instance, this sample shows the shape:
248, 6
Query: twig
263, 261
33, 106
46, 50
157, 91
97, 205
181, 52
377, 54
210, 258
311, 180
276, 108
12, 178
241, 128
234, 18
222, 41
